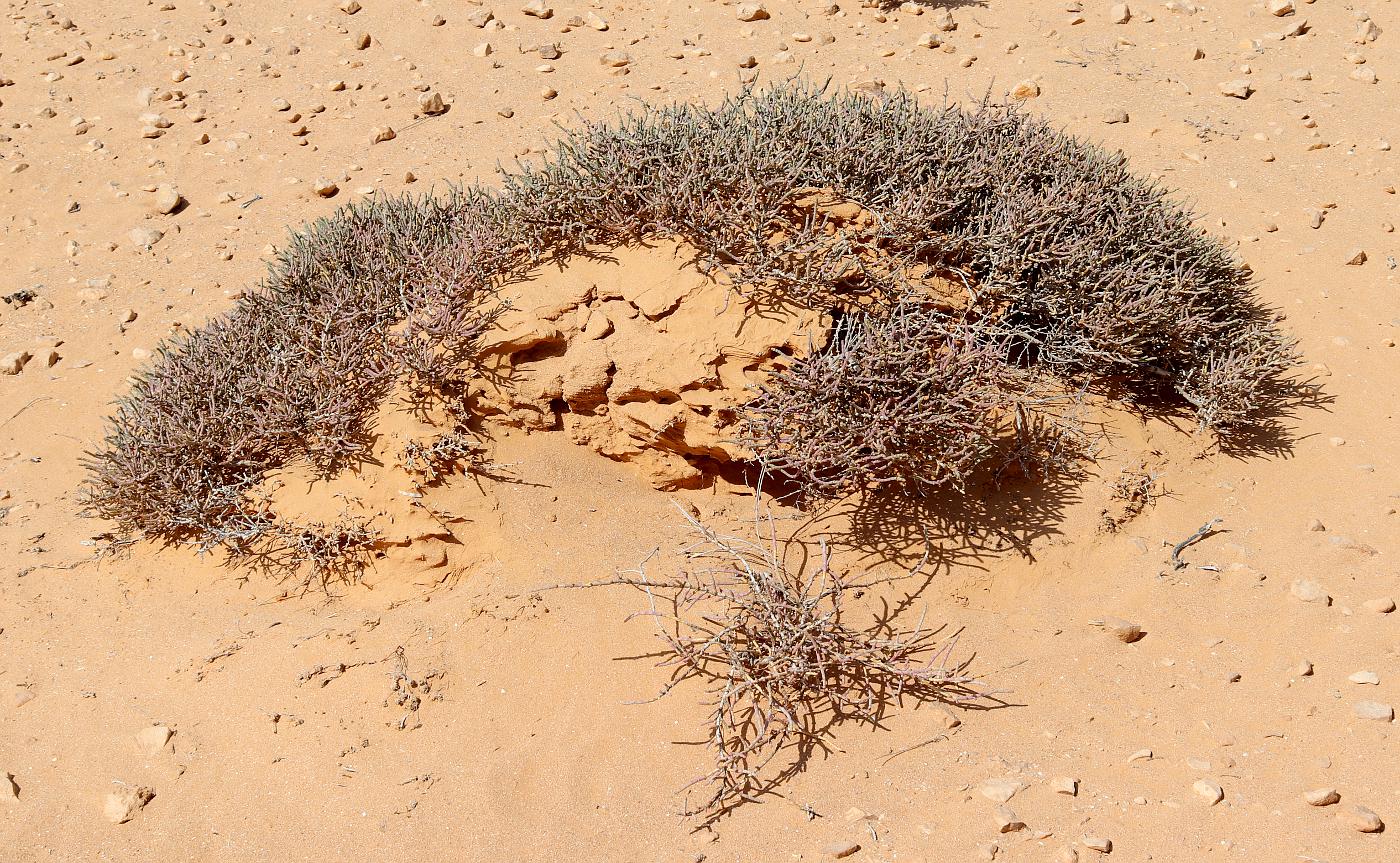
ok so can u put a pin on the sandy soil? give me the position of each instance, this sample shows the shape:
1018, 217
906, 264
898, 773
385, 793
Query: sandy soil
287, 739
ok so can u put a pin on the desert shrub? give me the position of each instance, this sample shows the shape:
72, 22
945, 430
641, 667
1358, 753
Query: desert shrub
769, 638
1074, 270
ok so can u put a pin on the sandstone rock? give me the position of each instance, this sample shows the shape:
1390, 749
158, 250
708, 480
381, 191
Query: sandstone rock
152, 740
1208, 791
1361, 819
1065, 785
1119, 13
325, 188
9, 788
586, 377
1322, 797
537, 9
751, 12
999, 790
1067, 855
1356, 258
479, 17
1280, 8
1101, 844
361, 41
596, 21
1122, 630
121, 806
483, 50
168, 200
14, 363
1374, 710
1306, 590
431, 103
380, 134
943, 20
522, 336
597, 326
1238, 88
1006, 819
616, 59
1027, 89
1365, 678
840, 850
144, 237
1384, 605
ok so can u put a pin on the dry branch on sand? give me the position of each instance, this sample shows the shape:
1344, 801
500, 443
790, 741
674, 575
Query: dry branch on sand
1073, 271
769, 637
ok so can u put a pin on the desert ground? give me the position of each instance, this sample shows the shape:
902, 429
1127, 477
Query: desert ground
152, 157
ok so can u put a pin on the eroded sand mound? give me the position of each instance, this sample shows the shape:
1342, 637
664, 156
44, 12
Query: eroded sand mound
640, 356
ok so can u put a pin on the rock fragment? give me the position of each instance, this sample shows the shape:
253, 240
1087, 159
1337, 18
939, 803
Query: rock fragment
538, 9
1006, 819
999, 790
14, 363
1208, 791
152, 739
1383, 605
1027, 89
168, 200
1322, 797
1374, 710
144, 236
1123, 630
1238, 88
1119, 13
1361, 819
431, 103
751, 12
122, 805
1307, 590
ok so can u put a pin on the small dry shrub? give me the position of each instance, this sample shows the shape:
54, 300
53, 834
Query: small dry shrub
901, 400
770, 639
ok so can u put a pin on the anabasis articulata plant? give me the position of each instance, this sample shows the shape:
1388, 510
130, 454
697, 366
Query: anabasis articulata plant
1065, 269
